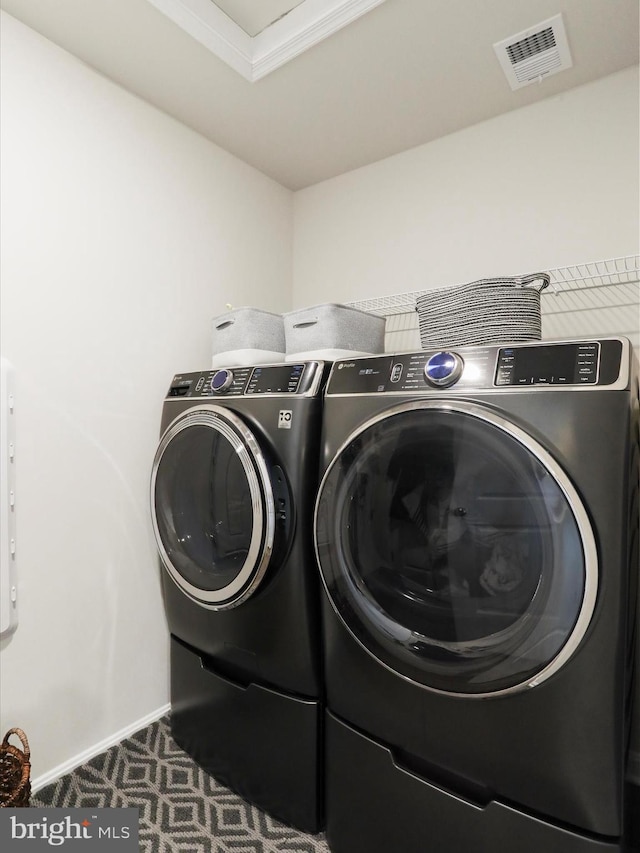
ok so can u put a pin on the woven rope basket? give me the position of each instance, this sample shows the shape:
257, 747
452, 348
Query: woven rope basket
494, 310
15, 769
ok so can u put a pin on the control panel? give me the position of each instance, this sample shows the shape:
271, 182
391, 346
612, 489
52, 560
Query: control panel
537, 365
277, 379
562, 364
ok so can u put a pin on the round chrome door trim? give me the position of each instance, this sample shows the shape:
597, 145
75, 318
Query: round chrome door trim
576, 506
255, 468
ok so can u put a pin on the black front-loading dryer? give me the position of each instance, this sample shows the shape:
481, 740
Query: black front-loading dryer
232, 490
476, 529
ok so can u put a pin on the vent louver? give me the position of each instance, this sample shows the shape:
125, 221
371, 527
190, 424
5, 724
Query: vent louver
538, 52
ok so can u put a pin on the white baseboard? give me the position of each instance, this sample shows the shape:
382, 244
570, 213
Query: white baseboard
633, 769
88, 754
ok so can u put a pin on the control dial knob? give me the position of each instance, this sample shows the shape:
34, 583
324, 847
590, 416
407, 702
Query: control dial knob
222, 379
443, 369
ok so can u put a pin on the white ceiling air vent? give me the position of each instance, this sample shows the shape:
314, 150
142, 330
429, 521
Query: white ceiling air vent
535, 53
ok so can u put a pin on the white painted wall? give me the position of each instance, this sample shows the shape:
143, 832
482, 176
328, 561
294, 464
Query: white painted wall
548, 185
123, 234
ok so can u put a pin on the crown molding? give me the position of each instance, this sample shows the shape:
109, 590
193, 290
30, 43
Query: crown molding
254, 57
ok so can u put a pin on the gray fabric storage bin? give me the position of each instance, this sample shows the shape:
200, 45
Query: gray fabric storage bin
248, 328
333, 326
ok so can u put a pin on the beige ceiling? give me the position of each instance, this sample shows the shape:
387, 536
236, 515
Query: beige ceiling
255, 17
405, 73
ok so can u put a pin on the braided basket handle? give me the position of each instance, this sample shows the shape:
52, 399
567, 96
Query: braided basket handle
22, 737
520, 280
543, 277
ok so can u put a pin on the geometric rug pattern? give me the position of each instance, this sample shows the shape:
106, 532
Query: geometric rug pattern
182, 809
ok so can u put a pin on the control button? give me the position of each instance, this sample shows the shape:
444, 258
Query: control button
396, 372
222, 379
443, 369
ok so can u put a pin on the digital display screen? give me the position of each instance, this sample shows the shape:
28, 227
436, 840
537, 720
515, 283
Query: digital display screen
281, 379
561, 364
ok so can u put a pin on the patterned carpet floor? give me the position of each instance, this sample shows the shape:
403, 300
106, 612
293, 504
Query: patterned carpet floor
182, 809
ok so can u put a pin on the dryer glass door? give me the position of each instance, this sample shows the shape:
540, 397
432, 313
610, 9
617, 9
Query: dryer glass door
455, 549
212, 507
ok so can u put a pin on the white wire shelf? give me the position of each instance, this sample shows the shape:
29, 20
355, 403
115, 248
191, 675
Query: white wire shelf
577, 277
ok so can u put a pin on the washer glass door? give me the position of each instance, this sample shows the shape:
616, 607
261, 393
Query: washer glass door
455, 549
212, 507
